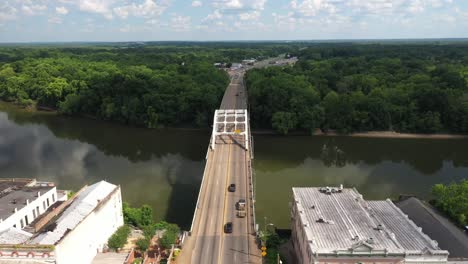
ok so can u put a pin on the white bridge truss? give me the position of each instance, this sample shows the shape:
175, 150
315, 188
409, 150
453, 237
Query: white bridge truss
230, 122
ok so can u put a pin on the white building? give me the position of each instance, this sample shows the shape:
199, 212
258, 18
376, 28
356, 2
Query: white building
73, 233
24, 200
335, 225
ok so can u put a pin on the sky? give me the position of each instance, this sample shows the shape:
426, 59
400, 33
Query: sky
199, 20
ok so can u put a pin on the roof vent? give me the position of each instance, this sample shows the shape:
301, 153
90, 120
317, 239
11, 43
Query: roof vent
312, 207
322, 220
370, 240
379, 227
356, 238
13, 201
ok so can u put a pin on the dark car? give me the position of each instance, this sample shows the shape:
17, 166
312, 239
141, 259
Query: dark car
232, 187
228, 227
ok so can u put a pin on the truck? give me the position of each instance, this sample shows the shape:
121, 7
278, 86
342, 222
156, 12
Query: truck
240, 206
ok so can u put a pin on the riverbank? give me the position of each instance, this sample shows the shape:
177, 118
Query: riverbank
369, 134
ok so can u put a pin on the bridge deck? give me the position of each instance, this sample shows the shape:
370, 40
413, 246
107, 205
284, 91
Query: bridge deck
228, 163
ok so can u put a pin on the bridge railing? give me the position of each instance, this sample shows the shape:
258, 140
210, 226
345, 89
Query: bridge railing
201, 190
251, 171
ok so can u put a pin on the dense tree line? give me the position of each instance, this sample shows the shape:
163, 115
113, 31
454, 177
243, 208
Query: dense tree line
144, 85
453, 200
351, 87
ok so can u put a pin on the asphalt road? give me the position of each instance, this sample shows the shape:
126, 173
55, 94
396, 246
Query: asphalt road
225, 165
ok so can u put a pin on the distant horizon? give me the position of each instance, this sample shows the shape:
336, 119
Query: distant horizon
240, 41
25, 21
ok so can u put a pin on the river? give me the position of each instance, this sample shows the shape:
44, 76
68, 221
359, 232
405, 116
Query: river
163, 168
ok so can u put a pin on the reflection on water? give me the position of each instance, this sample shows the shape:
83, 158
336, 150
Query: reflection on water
161, 168
378, 168
164, 168
332, 155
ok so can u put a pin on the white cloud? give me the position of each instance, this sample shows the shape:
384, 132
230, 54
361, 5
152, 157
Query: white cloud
32, 10
55, 20
240, 4
216, 15
197, 3
7, 12
149, 8
61, 10
102, 7
181, 23
253, 15
312, 7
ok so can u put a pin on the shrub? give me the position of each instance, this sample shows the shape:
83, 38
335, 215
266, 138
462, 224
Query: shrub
143, 244
119, 238
170, 236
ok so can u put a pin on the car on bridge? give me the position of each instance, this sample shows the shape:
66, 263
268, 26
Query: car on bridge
232, 187
228, 227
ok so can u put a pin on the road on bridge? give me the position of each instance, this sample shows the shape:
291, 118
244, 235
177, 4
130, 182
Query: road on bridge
228, 163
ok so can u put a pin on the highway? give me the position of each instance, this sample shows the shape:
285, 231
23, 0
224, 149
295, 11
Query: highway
227, 163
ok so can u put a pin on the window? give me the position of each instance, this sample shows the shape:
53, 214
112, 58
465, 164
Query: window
48, 203
22, 223
37, 210
43, 205
34, 213
14, 225
53, 197
27, 220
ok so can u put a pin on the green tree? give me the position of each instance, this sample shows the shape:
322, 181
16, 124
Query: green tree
453, 200
283, 122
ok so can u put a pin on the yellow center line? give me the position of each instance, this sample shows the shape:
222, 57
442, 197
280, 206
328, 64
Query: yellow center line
225, 207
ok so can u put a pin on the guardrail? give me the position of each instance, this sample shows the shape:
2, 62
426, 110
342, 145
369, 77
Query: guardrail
201, 189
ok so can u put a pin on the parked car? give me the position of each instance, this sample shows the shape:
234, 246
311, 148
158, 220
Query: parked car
228, 227
232, 187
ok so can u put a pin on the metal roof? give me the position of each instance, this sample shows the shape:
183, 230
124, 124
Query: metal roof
81, 207
343, 220
14, 236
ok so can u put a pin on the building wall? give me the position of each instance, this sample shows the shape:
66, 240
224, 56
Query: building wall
299, 238
23, 255
40, 204
82, 244
425, 259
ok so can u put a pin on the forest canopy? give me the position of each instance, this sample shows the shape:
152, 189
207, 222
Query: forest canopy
144, 85
347, 87
365, 87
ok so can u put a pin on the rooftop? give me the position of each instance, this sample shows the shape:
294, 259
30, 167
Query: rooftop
83, 204
14, 193
449, 236
340, 219
14, 236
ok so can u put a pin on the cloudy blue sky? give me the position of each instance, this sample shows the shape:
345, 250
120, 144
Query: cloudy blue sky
153, 20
